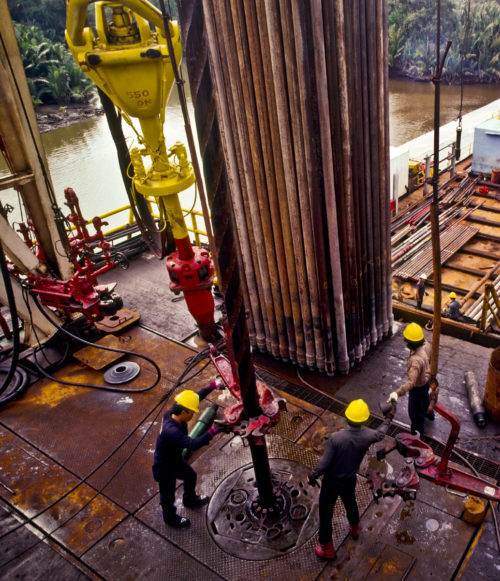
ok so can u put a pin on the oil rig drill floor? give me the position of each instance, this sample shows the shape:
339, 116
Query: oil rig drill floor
78, 500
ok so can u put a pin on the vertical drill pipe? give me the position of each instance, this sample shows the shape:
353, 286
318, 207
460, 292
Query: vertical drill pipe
295, 199
365, 256
385, 168
294, 316
310, 120
249, 148
305, 349
362, 146
249, 76
232, 154
338, 85
196, 21
366, 170
286, 334
333, 82
354, 162
293, 39
342, 358
372, 83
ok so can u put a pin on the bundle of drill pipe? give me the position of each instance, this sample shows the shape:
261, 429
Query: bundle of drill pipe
476, 308
417, 238
292, 115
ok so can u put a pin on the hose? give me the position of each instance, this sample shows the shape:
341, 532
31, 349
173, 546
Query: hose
14, 388
15, 321
104, 348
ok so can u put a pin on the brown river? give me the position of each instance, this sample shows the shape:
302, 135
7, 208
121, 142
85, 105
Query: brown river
83, 155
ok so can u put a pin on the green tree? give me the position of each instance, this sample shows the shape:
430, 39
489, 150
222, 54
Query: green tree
53, 76
48, 15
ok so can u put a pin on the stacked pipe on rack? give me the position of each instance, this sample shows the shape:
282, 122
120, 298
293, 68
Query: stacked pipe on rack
305, 145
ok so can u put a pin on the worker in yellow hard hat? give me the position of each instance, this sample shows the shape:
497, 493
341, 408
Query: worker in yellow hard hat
419, 372
453, 311
168, 465
339, 464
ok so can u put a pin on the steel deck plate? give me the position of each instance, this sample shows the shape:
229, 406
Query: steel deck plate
220, 460
133, 551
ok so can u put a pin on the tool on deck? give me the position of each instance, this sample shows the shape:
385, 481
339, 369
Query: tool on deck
421, 461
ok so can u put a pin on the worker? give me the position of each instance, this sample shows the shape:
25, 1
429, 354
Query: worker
417, 385
453, 310
168, 463
420, 292
339, 464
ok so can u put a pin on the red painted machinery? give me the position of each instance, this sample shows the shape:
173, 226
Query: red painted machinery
235, 420
421, 461
81, 293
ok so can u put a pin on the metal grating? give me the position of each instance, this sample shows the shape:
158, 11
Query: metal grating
483, 466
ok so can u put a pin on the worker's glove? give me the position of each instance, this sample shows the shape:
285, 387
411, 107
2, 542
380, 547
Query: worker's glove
312, 481
393, 397
213, 430
388, 409
217, 384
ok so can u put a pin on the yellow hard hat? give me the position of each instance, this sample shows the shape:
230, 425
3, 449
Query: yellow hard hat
413, 332
188, 399
357, 411
453, 295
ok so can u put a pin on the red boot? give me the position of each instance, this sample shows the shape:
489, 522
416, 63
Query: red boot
326, 551
354, 531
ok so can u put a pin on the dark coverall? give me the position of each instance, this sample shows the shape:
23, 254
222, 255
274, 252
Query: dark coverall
420, 293
341, 459
168, 464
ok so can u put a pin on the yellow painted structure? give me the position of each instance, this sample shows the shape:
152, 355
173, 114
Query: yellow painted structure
128, 59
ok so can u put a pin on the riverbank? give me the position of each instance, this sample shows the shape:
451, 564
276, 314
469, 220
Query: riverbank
51, 117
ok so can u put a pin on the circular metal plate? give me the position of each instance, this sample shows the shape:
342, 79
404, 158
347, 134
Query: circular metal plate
122, 372
241, 529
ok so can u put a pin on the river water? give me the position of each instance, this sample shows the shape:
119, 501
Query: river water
83, 155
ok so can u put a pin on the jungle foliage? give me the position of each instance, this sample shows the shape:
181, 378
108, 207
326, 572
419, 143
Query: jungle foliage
53, 76
473, 26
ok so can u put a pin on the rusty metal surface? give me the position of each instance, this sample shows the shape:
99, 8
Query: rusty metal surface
99, 358
73, 425
79, 426
391, 564
315, 437
81, 519
293, 422
29, 480
133, 551
240, 530
119, 321
29, 558
50, 495
220, 460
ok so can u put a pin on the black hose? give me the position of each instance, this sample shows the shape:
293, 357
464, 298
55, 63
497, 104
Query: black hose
15, 321
104, 348
16, 387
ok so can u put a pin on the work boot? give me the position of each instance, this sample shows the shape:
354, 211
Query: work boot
195, 501
176, 521
326, 551
354, 531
